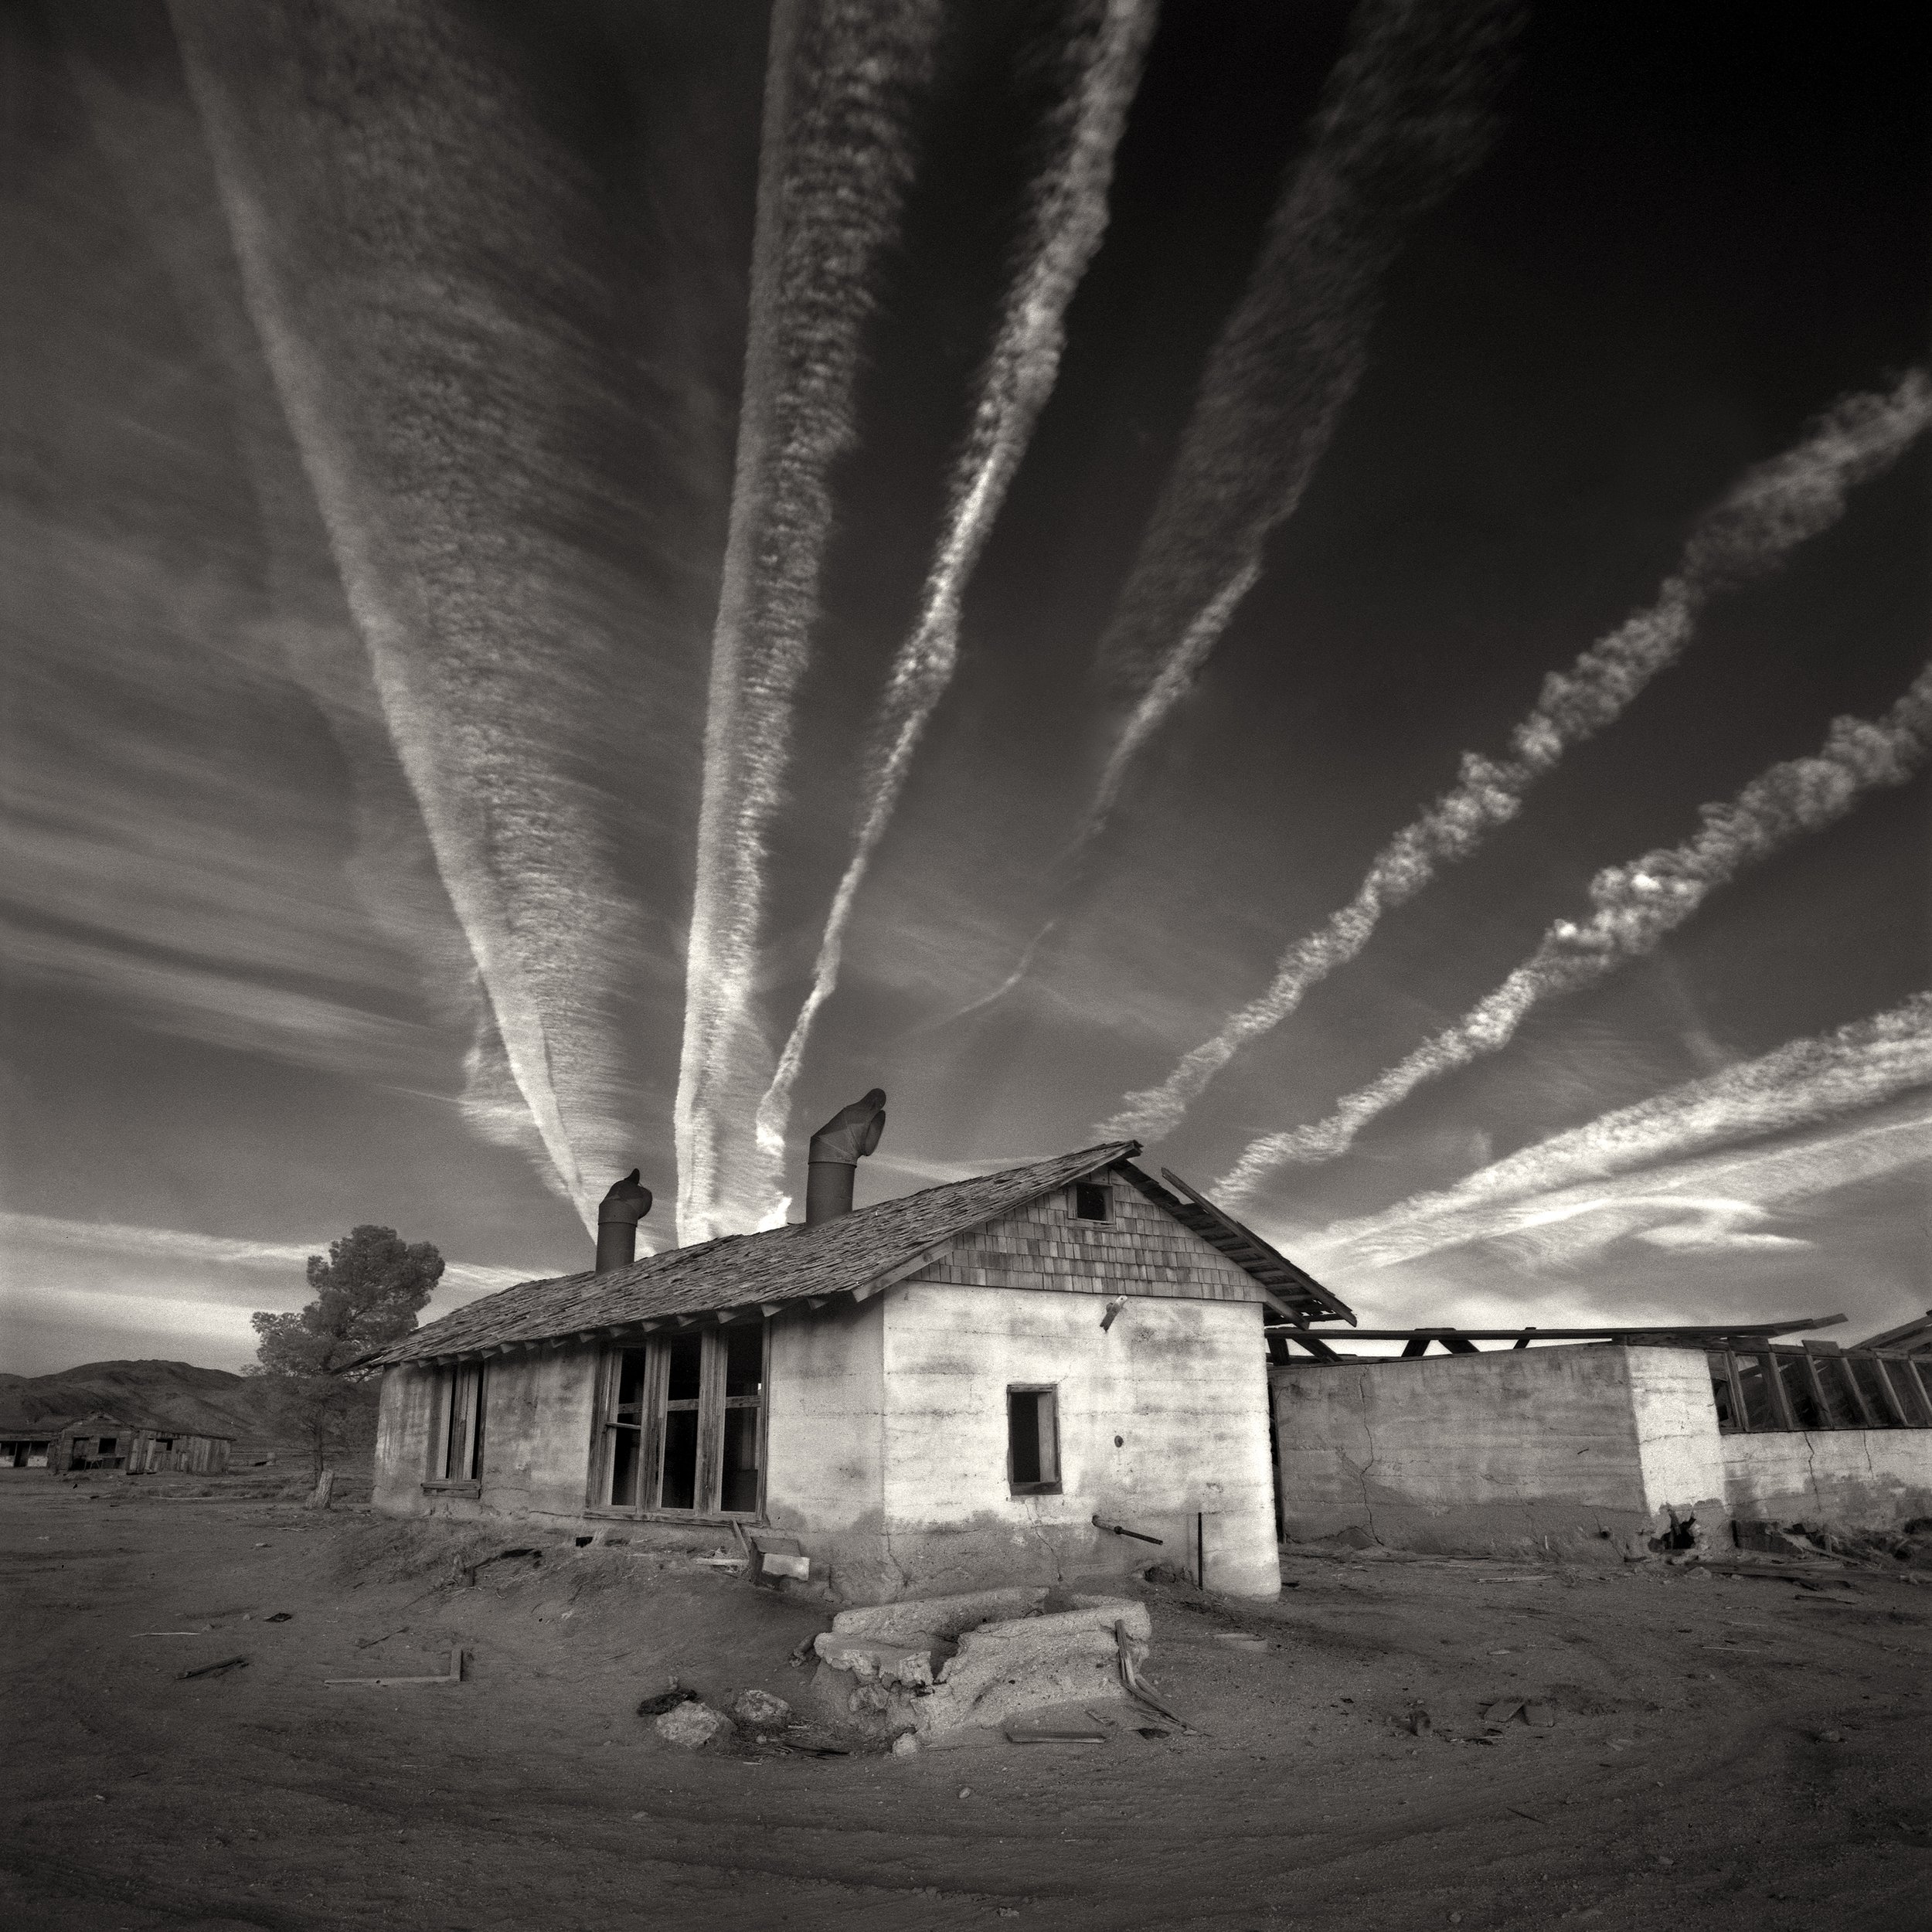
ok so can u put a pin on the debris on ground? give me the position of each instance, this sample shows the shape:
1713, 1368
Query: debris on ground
453, 1675
666, 1701
692, 1725
759, 1710
215, 1670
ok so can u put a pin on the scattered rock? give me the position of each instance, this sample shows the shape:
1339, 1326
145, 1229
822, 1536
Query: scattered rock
908, 1658
693, 1725
760, 1710
905, 1745
666, 1701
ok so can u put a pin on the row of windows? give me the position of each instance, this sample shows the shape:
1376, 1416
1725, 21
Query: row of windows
1771, 1389
682, 1427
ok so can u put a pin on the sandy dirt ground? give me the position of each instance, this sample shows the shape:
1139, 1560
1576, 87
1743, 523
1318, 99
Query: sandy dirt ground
1725, 1754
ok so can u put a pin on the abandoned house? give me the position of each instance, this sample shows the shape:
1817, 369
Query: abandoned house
1070, 1369
1057, 1370
100, 1442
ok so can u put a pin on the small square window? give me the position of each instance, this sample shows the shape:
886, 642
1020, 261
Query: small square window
1091, 1202
1033, 1442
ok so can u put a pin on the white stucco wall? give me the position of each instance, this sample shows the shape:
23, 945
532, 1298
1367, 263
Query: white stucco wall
1679, 1451
824, 1429
1183, 1384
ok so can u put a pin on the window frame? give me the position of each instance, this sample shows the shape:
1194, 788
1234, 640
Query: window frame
712, 1405
1106, 1196
462, 1379
1773, 1389
1046, 1486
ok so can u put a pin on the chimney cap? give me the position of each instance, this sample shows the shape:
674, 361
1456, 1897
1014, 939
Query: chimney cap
852, 1132
628, 1200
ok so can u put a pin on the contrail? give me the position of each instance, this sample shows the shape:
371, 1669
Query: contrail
1773, 507
445, 585
1067, 217
1804, 1083
1636, 904
1405, 117
841, 78
178, 1245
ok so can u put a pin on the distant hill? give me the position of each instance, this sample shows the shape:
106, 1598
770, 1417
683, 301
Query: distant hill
191, 1400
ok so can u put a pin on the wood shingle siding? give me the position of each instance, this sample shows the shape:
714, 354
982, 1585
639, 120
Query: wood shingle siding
1140, 1251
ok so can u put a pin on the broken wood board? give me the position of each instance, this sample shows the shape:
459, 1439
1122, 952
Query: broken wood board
453, 1675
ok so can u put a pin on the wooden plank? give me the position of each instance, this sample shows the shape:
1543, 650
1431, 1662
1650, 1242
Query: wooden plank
1785, 1417
453, 1675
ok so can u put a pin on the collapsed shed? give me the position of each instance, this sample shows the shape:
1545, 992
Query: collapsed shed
107, 1443
1620, 1436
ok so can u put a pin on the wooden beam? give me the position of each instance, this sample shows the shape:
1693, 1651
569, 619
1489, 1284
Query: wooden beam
1860, 1400
1921, 1367
1900, 1413
1786, 1416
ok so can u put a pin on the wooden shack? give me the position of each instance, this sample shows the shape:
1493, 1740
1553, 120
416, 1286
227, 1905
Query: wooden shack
1052, 1372
100, 1442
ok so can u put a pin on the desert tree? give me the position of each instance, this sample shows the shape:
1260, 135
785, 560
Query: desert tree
366, 1294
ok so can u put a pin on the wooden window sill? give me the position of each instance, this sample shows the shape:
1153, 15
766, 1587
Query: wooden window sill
452, 1489
1036, 1489
688, 1517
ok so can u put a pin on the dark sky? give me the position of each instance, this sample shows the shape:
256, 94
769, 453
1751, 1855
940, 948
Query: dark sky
376, 379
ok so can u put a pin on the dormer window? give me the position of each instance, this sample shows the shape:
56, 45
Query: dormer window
1093, 1200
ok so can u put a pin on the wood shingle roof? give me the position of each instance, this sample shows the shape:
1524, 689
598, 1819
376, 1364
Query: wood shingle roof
855, 1254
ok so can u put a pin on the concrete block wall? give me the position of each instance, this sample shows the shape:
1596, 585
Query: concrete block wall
1576, 1450
1877, 1479
538, 1409
1562, 1451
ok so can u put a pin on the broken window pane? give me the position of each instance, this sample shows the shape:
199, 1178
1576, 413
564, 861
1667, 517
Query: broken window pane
1866, 1371
739, 1489
1905, 1384
1090, 1202
626, 1448
1797, 1389
629, 1407
687, 1356
1721, 1392
679, 1490
1033, 1443
1840, 1412
1754, 1393
744, 1360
